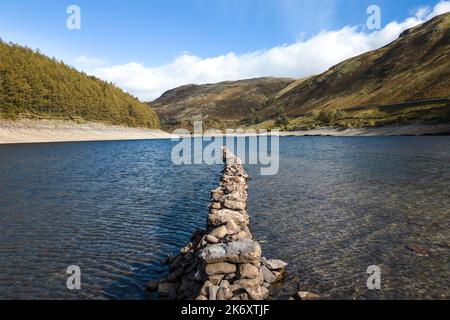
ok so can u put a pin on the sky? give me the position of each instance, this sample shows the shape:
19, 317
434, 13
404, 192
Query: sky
148, 47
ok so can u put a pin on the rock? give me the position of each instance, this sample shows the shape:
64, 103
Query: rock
242, 251
211, 239
278, 275
216, 205
176, 263
152, 285
220, 268
213, 292
224, 293
248, 271
305, 295
268, 276
205, 288
168, 290
216, 279
176, 275
224, 283
265, 293
255, 293
219, 232
230, 276
201, 297
220, 217
232, 227
234, 205
275, 265
187, 248
247, 283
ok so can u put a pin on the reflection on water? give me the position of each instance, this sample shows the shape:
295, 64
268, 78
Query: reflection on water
116, 209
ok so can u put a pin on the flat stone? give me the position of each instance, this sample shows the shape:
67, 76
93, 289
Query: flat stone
248, 271
211, 239
224, 293
305, 295
235, 205
274, 264
242, 251
220, 268
221, 217
268, 275
219, 232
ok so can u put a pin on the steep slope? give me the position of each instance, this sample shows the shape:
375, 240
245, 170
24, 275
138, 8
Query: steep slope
219, 105
414, 67
35, 86
405, 81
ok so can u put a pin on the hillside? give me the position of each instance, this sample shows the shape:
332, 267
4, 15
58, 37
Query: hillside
219, 105
403, 82
37, 87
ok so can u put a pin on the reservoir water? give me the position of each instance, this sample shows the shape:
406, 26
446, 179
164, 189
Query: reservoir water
337, 206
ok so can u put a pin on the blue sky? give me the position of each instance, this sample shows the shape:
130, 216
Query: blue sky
156, 33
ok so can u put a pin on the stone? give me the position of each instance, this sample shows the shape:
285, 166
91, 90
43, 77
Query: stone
230, 276
255, 293
215, 280
305, 295
187, 248
211, 239
205, 288
248, 271
265, 292
219, 232
152, 285
176, 263
232, 227
235, 205
216, 205
242, 251
220, 268
224, 283
275, 265
213, 292
247, 283
220, 217
201, 297
278, 275
176, 275
224, 293
268, 275
168, 290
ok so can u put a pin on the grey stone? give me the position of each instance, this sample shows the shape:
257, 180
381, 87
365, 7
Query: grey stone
213, 292
242, 251
268, 275
224, 293
274, 264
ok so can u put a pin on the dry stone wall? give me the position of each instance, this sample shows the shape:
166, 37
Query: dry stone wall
223, 262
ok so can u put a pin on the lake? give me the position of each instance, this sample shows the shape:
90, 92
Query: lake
337, 206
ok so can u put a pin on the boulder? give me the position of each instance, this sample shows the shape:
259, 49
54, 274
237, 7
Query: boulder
220, 268
275, 265
221, 217
224, 293
248, 271
268, 275
242, 251
219, 232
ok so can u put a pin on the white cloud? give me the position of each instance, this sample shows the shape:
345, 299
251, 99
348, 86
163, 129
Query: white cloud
302, 58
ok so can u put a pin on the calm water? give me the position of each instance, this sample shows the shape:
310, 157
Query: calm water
116, 209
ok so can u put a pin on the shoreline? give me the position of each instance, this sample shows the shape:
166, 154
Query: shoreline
28, 131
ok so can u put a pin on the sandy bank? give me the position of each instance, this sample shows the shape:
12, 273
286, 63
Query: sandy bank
40, 131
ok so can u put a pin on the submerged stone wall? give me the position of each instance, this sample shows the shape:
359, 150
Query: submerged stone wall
223, 262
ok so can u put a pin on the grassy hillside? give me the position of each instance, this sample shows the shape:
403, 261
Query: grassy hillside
35, 86
219, 105
405, 81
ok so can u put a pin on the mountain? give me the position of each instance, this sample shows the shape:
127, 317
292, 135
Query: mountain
405, 81
35, 86
219, 105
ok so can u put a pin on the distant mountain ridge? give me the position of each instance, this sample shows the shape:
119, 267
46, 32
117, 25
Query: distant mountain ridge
35, 86
368, 90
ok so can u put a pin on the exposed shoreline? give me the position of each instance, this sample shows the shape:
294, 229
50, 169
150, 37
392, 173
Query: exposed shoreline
49, 131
